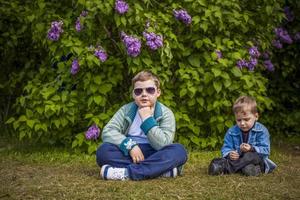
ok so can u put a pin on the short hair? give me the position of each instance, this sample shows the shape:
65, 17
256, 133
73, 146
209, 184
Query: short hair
145, 76
243, 103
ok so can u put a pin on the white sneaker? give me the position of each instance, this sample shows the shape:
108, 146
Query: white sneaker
113, 173
172, 173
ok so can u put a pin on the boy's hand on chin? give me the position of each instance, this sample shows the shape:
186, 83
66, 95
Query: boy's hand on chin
146, 112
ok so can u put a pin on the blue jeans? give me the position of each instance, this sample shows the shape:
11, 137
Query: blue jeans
156, 162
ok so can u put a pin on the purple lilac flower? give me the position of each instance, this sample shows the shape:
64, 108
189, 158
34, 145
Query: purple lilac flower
277, 44
183, 16
289, 14
101, 54
92, 133
78, 25
283, 35
266, 55
297, 36
269, 65
154, 41
241, 63
252, 63
75, 67
219, 54
253, 51
121, 6
55, 30
133, 45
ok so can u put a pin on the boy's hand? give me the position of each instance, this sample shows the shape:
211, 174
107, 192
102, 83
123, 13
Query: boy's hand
146, 112
136, 154
245, 147
234, 155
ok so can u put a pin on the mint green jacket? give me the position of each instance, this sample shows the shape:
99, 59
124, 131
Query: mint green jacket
159, 128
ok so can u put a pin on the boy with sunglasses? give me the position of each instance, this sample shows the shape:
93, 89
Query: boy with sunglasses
138, 140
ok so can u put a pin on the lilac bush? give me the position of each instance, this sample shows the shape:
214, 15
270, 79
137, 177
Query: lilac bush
283, 35
121, 6
101, 54
269, 65
289, 14
92, 133
219, 54
75, 67
182, 15
55, 30
253, 52
153, 41
133, 45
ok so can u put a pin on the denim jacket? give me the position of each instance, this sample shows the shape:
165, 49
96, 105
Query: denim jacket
259, 139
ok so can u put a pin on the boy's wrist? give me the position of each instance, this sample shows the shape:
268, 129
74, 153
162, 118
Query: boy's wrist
126, 145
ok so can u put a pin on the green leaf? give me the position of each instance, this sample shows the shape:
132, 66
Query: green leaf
98, 99
236, 72
217, 86
22, 118
183, 92
216, 72
10, 120
194, 60
97, 80
30, 123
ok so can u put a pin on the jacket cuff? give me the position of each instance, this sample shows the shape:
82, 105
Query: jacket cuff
126, 145
148, 124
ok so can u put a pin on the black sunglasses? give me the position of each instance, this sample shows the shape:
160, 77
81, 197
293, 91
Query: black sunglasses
139, 91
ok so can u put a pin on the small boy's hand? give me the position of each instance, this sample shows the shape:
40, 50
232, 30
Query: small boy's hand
146, 112
245, 147
234, 155
136, 154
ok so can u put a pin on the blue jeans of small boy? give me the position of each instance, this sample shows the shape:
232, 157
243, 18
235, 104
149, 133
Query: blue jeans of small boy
243, 161
156, 161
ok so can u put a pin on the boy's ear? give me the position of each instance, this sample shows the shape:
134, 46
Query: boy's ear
256, 116
158, 92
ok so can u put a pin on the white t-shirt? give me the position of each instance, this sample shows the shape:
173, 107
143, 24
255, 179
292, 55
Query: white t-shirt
135, 132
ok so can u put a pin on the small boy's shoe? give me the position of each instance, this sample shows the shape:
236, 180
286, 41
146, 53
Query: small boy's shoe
251, 170
113, 173
217, 166
172, 173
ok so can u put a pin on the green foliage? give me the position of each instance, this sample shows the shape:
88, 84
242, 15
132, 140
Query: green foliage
284, 84
58, 107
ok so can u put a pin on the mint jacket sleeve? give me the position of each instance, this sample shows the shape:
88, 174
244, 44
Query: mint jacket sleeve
114, 130
160, 133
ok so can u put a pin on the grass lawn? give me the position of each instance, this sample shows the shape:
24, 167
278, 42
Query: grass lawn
28, 172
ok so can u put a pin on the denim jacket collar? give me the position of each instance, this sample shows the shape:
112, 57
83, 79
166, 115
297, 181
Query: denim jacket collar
256, 128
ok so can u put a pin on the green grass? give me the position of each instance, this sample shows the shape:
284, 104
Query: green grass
30, 172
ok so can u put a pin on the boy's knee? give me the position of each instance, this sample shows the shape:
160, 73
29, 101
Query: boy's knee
179, 152
251, 157
102, 153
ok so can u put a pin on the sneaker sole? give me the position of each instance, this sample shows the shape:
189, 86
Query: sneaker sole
103, 172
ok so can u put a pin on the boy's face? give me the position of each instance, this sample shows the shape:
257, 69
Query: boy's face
145, 93
245, 119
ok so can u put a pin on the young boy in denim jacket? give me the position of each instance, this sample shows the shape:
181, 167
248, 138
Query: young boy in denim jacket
246, 146
137, 141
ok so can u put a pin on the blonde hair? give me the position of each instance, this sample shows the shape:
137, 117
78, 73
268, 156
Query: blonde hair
243, 103
145, 76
